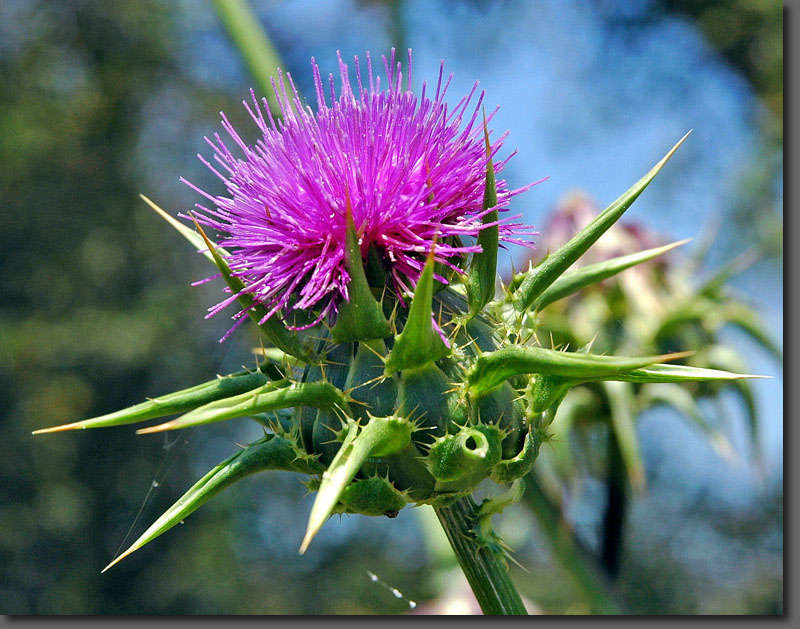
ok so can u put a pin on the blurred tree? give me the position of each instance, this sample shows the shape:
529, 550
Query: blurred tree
87, 305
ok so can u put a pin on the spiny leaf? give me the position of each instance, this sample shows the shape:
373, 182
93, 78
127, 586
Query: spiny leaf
570, 283
491, 369
272, 396
419, 343
381, 436
483, 267
271, 453
177, 402
361, 317
539, 278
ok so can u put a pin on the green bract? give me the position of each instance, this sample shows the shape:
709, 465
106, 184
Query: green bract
414, 400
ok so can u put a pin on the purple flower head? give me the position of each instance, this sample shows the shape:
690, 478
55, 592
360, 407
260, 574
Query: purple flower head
411, 169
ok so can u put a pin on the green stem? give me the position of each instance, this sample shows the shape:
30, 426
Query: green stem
485, 571
258, 53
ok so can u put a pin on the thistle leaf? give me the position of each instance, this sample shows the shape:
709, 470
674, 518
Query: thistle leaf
491, 369
271, 453
272, 396
483, 267
382, 436
177, 402
570, 283
361, 317
540, 277
419, 343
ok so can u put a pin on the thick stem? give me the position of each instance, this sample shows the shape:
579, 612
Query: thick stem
486, 573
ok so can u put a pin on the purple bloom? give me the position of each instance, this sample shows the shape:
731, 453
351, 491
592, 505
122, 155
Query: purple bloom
411, 169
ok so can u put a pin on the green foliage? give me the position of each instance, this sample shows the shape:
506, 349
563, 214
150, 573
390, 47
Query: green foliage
539, 278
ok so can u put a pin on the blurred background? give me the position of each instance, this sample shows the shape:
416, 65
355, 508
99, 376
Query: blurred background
103, 101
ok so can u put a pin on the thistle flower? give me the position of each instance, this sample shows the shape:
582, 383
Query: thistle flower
409, 170
396, 403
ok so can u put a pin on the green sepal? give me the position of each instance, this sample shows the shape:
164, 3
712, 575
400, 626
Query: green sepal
680, 373
366, 383
272, 396
407, 472
382, 436
539, 278
501, 407
483, 266
360, 318
428, 397
419, 343
272, 328
508, 470
328, 422
179, 401
274, 331
570, 283
270, 453
460, 461
375, 495
491, 369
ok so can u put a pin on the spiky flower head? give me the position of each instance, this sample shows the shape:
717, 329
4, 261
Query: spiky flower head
395, 403
409, 170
